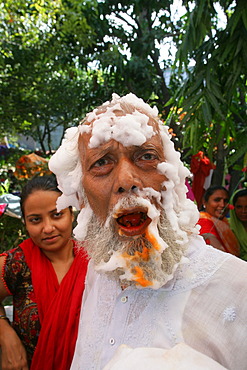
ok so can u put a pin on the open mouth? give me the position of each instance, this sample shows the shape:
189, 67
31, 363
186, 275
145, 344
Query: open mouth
132, 222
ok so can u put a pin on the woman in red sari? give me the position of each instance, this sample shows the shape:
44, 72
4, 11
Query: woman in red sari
45, 275
214, 225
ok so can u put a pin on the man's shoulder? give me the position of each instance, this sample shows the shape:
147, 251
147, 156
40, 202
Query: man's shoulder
234, 270
204, 263
198, 249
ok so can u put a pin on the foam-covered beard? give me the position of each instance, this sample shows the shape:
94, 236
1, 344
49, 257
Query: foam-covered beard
146, 260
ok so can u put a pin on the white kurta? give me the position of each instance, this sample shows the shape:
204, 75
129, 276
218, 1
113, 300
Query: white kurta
204, 306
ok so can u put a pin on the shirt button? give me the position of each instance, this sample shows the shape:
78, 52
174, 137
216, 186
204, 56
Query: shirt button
124, 299
112, 341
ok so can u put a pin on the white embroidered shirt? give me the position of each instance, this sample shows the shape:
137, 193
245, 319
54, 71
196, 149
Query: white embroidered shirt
204, 306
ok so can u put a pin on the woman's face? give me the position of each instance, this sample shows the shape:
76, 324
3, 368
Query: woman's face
49, 229
216, 205
241, 208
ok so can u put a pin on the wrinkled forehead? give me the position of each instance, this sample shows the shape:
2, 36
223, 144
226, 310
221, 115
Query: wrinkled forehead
128, 127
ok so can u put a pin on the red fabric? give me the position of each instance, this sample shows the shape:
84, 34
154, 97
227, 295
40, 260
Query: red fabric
58, 307
189, 193
207, 227
221, 229
200, 167
2, 208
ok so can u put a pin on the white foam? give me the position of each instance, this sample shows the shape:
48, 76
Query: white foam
128, 129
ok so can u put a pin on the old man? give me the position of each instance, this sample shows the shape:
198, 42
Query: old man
152, 282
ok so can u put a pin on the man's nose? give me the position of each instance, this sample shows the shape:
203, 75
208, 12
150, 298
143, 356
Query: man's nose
127, 177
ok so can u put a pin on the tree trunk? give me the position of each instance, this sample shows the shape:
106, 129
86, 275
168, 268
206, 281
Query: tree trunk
236, 176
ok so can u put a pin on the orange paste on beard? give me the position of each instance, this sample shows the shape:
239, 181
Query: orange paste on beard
138, 273
139, 277
152, 240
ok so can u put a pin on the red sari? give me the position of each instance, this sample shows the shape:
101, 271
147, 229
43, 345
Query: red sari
220, 229
58, 307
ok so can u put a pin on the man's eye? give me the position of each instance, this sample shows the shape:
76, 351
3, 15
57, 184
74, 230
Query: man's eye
101, 162
102, 166
148, 156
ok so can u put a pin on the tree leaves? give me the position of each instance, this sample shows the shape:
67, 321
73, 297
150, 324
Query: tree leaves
61, 58
213, 95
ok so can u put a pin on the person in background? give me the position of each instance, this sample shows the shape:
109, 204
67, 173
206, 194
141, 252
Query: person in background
238, 219
214, 225
152, 282
45, 275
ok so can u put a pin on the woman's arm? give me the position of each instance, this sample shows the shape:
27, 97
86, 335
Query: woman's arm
212, 240
13, 353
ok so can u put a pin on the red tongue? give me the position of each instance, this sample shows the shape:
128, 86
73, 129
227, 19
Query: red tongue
132, 219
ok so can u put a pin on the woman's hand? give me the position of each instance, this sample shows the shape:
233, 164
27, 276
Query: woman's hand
13, 353
212, 240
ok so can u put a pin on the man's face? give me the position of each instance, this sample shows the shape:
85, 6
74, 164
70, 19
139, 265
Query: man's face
113, 171
131, 190
128, 235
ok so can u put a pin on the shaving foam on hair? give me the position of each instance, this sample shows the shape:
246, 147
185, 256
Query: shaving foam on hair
104, 123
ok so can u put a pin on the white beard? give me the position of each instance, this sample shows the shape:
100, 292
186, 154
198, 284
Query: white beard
121, 257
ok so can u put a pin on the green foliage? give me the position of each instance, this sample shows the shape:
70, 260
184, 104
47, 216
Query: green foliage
12, 232
138, 28
213, 96
40, 81
60, 59
8, 159
4, 186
